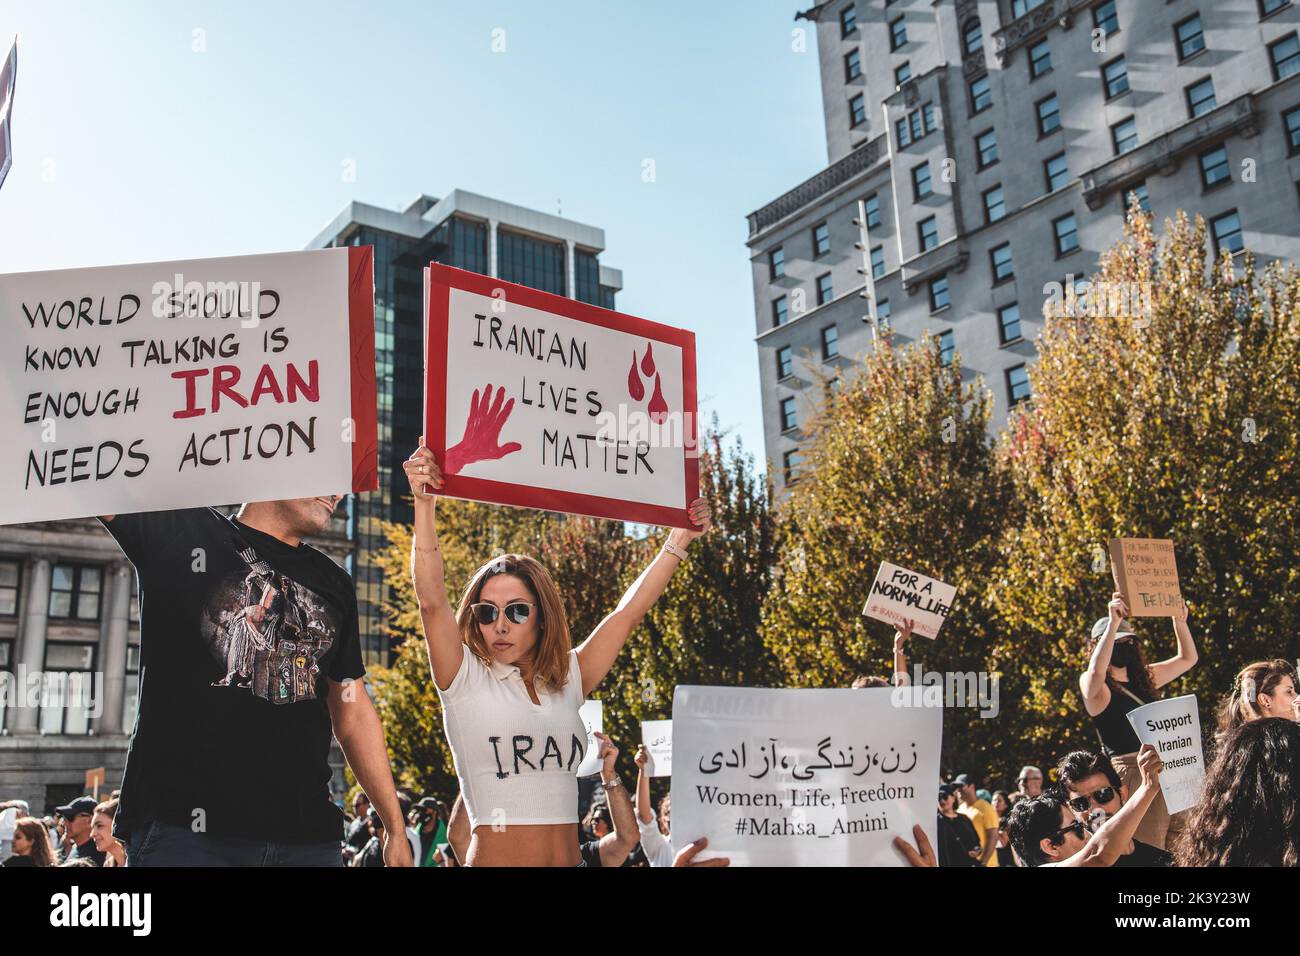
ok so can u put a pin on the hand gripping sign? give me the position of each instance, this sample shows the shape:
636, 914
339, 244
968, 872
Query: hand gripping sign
539, 401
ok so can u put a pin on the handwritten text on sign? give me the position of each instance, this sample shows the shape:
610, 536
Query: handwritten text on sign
176, 384
899, 595
1146, 573
1173, 727
539, 401
802, 777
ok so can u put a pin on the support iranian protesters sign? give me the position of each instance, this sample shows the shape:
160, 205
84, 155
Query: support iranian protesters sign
802, 777
1146, 573
539, 401
178, 384
899, 595
1173, 727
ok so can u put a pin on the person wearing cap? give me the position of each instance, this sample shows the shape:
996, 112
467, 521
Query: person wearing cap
1030, 782
982, 816
429, 818
77, 817
958, 843
1117, 680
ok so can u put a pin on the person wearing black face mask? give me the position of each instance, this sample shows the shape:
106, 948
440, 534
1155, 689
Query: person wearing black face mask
1118, 680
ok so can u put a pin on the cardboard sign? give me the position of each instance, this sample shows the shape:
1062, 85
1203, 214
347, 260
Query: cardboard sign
592, 713
8, 83
178, 384
657, 735
539, 401
1173, 727
95, 780
1146, 573
899, 595
802, 777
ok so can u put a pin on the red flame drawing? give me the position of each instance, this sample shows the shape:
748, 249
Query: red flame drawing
658, 407
648, 362
634, 386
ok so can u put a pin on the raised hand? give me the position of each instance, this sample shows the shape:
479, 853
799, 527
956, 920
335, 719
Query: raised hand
422, 472
1117, 608
700, 517
482, 438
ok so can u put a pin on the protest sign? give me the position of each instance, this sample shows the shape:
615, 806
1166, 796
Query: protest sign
789, 777
539, 401
8, 83
177, 384
657, 735
899, 595
592, 713
1173, 727
1146, 573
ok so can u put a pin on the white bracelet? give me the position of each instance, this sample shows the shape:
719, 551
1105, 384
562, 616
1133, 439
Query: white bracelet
674, 550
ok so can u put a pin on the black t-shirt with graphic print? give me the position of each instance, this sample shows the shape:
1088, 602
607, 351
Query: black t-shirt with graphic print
238, 632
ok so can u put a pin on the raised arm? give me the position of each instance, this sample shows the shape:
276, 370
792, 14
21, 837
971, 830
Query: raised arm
596, 655
439, 621
1178, 665
1092, 682
616, 847
901, 634
1110, 841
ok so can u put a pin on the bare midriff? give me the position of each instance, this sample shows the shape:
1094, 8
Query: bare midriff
547, 844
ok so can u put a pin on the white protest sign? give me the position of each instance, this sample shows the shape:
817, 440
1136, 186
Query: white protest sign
657, 735
178, 384
899, 595
8, 80
592, 713
1173, 727
791, 777
8, 818
541, 401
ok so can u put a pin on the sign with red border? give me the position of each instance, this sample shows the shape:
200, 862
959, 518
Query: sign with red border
539, 401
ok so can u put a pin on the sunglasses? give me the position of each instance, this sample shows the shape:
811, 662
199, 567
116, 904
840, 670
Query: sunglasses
1077, 828
517, 612
1101, 797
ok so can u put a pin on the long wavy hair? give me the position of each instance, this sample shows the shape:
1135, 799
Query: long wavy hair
1239, 707
551, 657
42, 850
1139, 680
1249, 814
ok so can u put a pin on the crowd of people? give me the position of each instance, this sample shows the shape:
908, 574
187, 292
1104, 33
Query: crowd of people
252, 694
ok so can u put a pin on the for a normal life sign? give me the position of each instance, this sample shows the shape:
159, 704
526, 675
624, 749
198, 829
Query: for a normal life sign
177, 384
540, 401
899, 595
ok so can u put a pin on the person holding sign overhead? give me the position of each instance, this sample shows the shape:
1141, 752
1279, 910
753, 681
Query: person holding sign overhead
1117, 680
511, 683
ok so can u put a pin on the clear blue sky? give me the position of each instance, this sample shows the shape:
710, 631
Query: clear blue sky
130, 146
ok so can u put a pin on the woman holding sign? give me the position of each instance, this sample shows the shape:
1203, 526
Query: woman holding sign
1117, 680
511, 683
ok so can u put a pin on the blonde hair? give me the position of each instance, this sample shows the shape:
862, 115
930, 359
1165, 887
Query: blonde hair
551, 657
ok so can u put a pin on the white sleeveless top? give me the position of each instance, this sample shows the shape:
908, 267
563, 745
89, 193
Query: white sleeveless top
516, 761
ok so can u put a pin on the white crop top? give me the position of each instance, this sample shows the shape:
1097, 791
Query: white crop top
517, 761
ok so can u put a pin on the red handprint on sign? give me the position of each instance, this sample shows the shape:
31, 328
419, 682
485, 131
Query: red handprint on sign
481, 441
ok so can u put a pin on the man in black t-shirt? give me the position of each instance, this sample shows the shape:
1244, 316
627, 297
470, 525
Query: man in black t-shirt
1094, 793
250, 661
77, 817
957, 839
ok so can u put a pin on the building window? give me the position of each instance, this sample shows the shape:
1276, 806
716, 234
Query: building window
1066, 230
1285, 54
789, 419
1040, 59
1140, 191
928, 231
790, 462
857, 111
902, 73
1271, 6
1291, 120
67, 687
821, 239
1226, 230
981, 95
897, 33
824, 291
921, 186
1057, 172
1017, 385
986, 147
994, 206
878, 262
915, 125
848, 20
972, 38
939, 293
902, 133
74, 592
1189, 36
1214, 167
776, 263
1020, 7
1000, 258
1105, 18
1114, 77
10, 573
1049, 115
882, 313
1124, 135
873, 211
1200, 97
830, 343
852, 65
1009, 323
532, 262
784, 361
780, 312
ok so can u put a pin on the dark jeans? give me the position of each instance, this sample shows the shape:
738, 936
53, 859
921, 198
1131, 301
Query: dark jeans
165, 844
